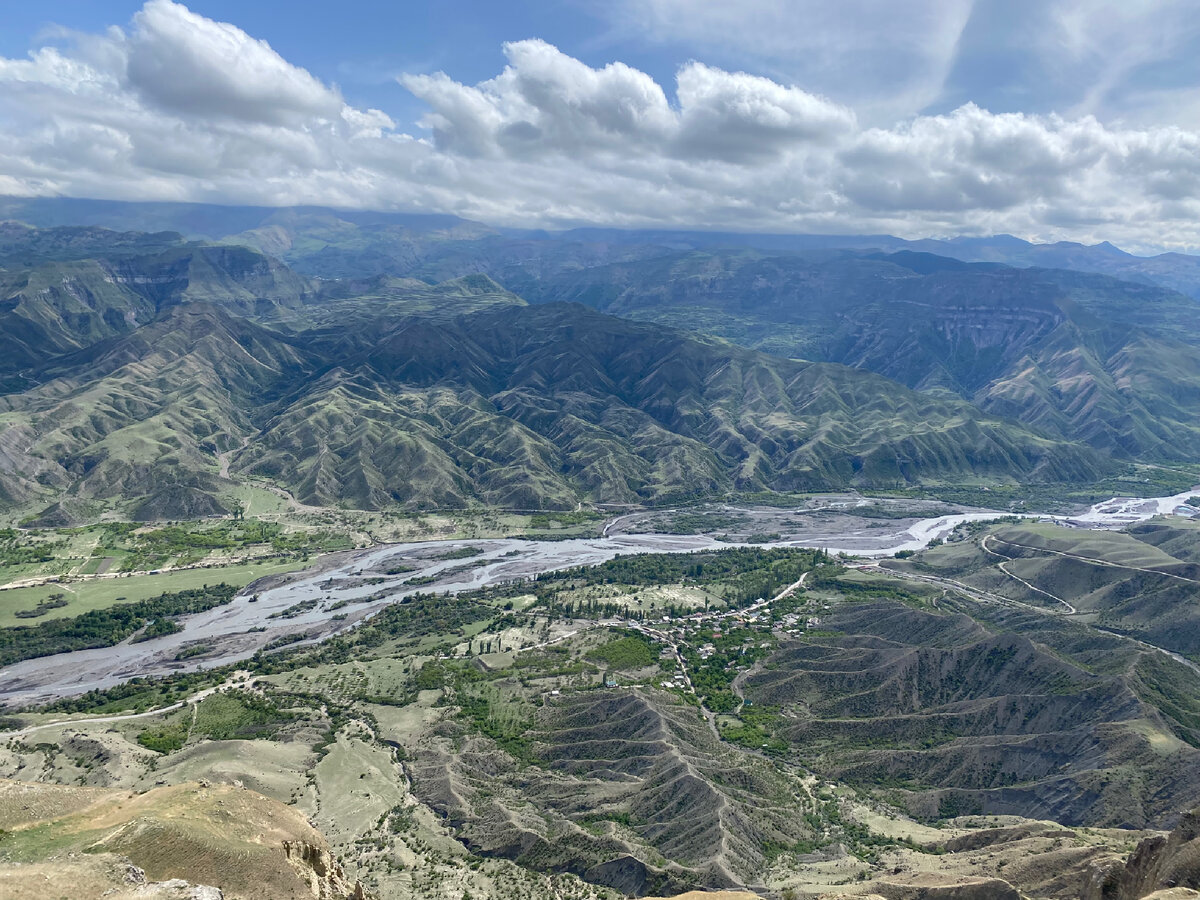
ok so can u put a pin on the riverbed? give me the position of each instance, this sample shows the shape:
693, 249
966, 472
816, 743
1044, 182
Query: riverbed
313, 604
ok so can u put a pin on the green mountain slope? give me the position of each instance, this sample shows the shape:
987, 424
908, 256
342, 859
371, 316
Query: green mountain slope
524, 407
1080, 356
142, 417
1142, 582
514, 400
25, 246
59, 306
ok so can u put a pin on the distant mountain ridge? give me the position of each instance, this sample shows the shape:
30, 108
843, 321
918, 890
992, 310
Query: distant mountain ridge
289, 232
1078, 355
137, 359
518, 407
59, 306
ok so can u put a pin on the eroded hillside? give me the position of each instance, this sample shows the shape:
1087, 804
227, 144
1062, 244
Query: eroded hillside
650, 726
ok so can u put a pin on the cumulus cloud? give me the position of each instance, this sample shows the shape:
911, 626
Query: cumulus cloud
547, 102
735, 116
187, 64
179, 107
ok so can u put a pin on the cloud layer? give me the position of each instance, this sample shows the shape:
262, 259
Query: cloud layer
180, 107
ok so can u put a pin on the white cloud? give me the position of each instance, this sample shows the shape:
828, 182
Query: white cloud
179, 107
736, 116
191, 65
547, 102
888, 59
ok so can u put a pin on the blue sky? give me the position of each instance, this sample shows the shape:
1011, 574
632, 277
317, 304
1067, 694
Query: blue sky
363, 46
1044, 118
1033, 56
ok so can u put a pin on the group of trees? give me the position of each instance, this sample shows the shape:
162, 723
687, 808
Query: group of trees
106, 627
740, 574
16, 549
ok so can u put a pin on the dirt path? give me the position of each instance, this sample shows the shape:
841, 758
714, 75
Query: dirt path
193, 700
1094, 561
739, 682
988, 597
96, 720
736, 686
294, 505
986, 549
977, 594
1183, 660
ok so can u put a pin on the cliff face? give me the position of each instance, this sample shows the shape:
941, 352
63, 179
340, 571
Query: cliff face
322, 872
1160, 863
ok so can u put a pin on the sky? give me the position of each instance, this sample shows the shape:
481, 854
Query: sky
1048, 119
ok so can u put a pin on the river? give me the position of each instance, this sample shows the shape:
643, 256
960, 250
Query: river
322, 601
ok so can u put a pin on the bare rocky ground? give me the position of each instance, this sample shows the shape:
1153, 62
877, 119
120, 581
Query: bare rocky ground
168, 842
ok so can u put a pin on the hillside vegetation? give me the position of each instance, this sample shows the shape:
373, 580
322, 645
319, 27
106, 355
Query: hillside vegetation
435, 397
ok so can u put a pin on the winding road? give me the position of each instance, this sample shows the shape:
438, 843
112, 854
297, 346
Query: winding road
1037, 590
193, 701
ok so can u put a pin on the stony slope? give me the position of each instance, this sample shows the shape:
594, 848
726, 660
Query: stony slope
1161, 863
629, 790
240, 842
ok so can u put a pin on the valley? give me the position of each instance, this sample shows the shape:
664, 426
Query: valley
468, 563
519, 651
338, 595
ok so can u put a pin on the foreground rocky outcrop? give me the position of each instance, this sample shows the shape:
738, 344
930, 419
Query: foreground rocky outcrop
324, 874
183, 842
1161, 866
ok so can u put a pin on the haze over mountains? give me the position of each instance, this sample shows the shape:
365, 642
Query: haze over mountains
154, 367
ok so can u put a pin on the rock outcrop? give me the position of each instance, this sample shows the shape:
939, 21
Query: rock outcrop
322, 872
1159, 864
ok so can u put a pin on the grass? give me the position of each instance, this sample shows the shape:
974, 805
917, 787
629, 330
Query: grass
101, 593
238, 715
256, 500
630, 652
1108, 546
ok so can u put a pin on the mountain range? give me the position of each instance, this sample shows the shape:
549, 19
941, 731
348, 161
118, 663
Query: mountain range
157, 368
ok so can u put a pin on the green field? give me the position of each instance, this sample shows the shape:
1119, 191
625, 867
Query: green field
99, 593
